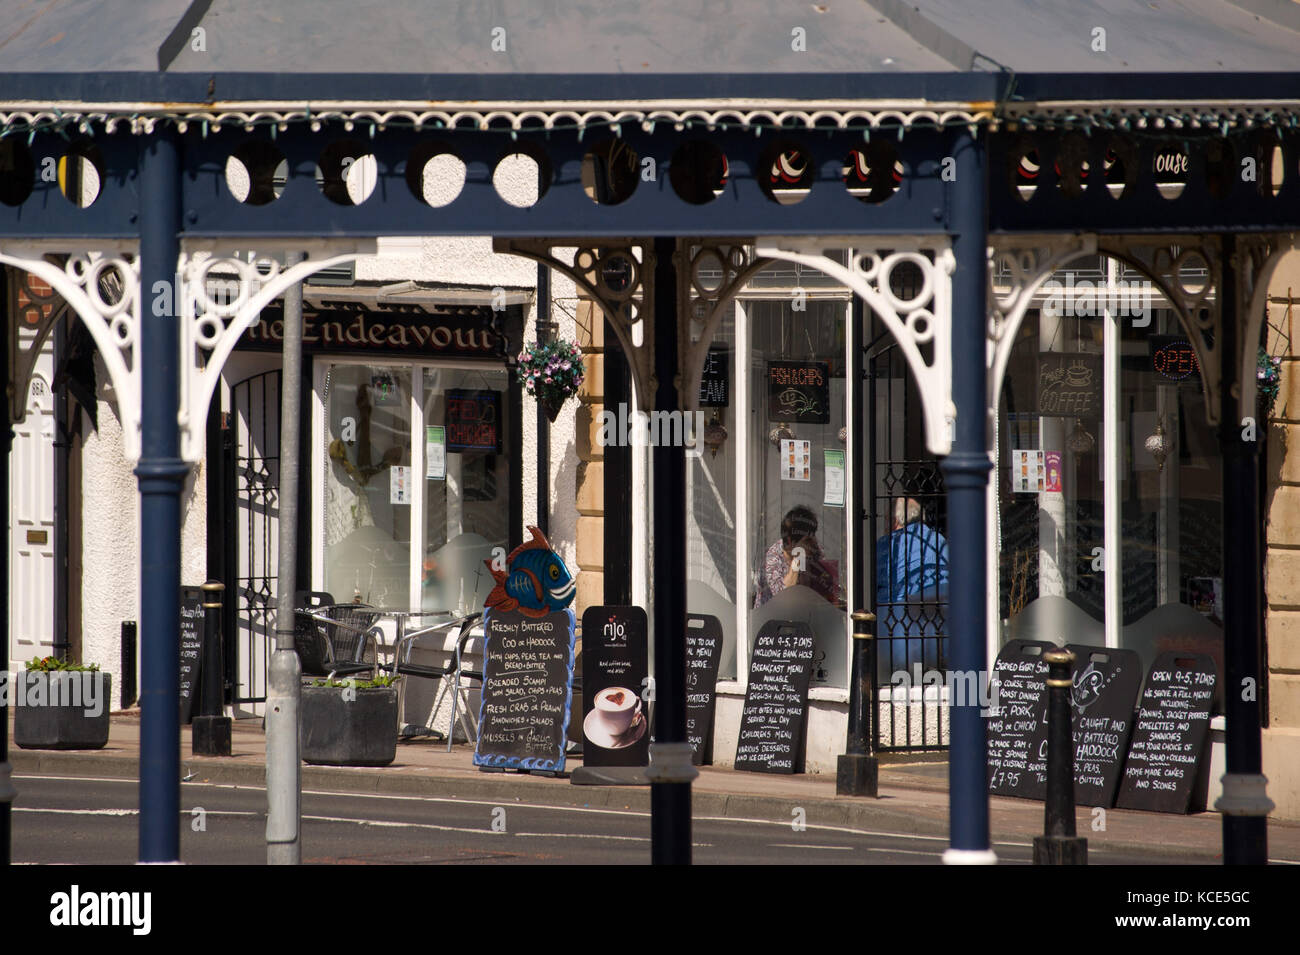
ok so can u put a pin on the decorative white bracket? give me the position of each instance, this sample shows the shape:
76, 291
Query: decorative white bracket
102, 287
1030, 260
211, 323
919, 324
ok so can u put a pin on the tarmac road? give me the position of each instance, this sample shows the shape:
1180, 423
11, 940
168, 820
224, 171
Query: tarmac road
87, 821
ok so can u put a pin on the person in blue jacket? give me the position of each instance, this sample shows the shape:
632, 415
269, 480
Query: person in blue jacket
911, 591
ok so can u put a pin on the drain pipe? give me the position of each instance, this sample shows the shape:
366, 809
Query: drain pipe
544, 330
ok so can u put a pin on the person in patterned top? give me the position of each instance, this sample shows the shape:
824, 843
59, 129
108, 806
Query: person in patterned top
795, 559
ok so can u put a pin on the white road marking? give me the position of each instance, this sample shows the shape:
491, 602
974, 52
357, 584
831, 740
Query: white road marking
806, 845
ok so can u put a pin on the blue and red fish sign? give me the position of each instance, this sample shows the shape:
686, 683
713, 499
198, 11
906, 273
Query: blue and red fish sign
535, 581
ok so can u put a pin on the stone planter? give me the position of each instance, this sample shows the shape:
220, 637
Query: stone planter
61, 709
349, 727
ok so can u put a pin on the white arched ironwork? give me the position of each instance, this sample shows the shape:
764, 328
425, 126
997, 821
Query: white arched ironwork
924, 319
114, 325
212, 323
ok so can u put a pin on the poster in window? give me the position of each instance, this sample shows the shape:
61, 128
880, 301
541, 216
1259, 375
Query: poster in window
799, 391
796, 460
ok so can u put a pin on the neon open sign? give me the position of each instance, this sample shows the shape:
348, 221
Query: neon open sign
1174, 359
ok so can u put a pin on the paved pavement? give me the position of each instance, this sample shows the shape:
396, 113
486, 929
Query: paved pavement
913, 796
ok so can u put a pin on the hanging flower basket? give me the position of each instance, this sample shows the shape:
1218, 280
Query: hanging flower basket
552, 372
1268, 376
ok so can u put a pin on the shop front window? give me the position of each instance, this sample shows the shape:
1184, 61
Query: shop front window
416, 483
796, 487
367, 503
1103, 354
466, 511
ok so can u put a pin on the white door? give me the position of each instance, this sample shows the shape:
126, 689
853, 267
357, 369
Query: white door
31, 521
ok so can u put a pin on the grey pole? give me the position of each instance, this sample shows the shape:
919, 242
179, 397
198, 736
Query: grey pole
283, 765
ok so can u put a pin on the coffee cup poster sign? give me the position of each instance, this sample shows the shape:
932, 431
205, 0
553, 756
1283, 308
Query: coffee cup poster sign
615, 668
527, 690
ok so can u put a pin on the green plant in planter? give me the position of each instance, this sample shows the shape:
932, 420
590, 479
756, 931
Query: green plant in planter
552, 372
350, 722
61, 705
55, 665
378, 683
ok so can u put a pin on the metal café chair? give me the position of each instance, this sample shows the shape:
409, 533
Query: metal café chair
337, 639
454, 670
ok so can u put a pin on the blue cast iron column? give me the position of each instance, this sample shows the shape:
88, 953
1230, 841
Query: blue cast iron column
161, 474
966, 475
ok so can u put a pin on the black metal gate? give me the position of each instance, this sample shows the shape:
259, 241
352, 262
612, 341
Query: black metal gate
253, 474
904, 518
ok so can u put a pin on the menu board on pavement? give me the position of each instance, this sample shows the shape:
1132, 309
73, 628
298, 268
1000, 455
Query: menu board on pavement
775, 715
1169, 740
703, 654
527, 690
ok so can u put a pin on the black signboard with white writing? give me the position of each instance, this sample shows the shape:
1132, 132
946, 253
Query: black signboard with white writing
1017, 729
615, 670
1069, 384
715, 382
191, 631
1104, 692
703, 654
799, 391
473, 420
1169, 741
527, 690
775, 716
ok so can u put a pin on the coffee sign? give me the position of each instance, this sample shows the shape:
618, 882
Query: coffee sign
799, 391
1069, 384
615, 671
527, 690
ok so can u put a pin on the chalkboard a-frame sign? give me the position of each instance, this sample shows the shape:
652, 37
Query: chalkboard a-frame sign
527, 694
191, 638
775, 715
1169, 746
